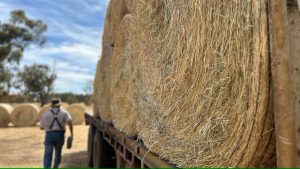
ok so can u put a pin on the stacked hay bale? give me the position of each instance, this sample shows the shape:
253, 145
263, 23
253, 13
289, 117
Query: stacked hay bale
25, 115
202, 73
122, 114
195, 75
114, 14
5, 111
77, 113
102, 97
97, 94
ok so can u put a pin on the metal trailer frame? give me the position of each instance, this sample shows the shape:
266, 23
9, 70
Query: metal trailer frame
129, 152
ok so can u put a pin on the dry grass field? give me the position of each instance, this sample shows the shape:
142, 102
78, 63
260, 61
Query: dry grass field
23, 147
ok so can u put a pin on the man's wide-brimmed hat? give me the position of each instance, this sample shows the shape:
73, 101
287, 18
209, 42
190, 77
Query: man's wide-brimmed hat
55, 102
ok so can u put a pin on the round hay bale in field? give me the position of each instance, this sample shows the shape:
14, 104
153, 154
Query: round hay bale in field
122, 115
5, 111
25, 115
102, 95
77, 113
114, 14
202, 76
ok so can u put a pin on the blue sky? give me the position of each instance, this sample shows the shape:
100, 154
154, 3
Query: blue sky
74, 38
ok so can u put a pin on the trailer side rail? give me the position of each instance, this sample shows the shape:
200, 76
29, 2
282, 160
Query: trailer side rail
132, 151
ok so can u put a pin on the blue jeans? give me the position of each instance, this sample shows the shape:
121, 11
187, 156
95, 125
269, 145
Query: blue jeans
54, 140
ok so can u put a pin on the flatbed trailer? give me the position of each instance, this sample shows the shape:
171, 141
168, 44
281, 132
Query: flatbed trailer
110, 148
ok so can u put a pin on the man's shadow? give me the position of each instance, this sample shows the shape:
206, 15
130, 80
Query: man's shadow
74, 160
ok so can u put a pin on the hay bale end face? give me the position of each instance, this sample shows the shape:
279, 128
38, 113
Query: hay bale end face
77, 113
25, 115
122, 114
5, 111
202, 75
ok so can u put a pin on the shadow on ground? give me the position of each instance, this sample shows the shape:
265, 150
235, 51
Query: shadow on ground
74, 160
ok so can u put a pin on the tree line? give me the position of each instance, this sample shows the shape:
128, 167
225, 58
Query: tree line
34, 82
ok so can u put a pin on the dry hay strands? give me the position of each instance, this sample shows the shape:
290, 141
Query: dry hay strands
102, 95
47, 107
114, 14
130, 5
5, 111
122, 115
294, 41
25, 115
202, 75
77, 113
96, 92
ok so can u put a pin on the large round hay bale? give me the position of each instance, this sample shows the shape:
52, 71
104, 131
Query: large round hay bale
25, 115
102, 95
77, 113
122, 115
5, 111
114, 14
202, 75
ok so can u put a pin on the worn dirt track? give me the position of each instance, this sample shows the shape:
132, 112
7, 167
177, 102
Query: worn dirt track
23, 147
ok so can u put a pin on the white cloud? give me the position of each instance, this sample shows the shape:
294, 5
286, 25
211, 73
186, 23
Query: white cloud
74, 37
74, 64
82, 54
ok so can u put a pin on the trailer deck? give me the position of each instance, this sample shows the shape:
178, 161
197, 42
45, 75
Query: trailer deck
128, 152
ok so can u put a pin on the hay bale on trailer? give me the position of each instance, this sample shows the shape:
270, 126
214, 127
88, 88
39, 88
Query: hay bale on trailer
77, 113
96, 85
102, 95
202, 75
102, 82
123, 117
114, 14
25, 115
5, 111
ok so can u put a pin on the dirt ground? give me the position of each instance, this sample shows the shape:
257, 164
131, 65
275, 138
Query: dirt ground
23, 147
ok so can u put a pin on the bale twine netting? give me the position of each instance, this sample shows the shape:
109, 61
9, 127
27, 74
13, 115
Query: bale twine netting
25, 115
77, 113
123, 117
201, 82
47, 107
5, 111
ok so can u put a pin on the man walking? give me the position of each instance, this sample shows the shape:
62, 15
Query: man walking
53, 122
